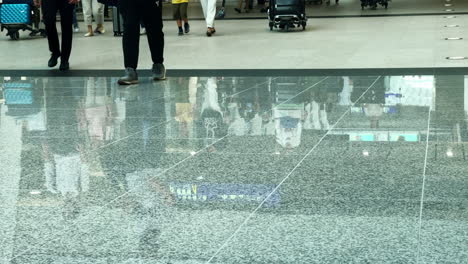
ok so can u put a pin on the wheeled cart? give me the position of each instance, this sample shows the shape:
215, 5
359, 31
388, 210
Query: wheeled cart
286, 14
373, 4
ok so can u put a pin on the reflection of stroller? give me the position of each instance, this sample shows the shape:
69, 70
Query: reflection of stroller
287, 13
16, 15
373, 3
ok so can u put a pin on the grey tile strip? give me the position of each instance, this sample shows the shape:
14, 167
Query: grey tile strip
245, 72
423, 188
247, 219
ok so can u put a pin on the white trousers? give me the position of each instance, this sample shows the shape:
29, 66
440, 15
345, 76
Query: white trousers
209, 10
93, 8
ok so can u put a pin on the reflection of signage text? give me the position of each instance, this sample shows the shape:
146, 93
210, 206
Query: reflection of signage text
380, 136
230, 193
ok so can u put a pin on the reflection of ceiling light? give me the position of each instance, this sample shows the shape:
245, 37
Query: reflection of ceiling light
200, 178
277, 153
456, 58
454, 38
450, 17
447, 5
449, 153
23, 78
193, 153
365, 153
6, 78
451, 26
35, 192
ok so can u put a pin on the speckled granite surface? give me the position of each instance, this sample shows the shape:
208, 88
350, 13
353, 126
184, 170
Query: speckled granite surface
360, 169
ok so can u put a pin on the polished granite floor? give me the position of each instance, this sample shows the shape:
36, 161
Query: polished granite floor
313, 169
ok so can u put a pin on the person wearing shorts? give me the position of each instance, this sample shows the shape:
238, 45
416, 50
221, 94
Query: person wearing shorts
180, 14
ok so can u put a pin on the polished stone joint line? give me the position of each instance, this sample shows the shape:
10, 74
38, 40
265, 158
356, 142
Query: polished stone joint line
247, 219
423, 188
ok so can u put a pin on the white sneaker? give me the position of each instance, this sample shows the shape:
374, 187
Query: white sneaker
76, 29
89, 34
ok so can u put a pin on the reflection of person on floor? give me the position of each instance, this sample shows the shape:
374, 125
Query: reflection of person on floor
152, 206
184, 106
144, 118
211, 121
100, 112
316, 116
237, 126
65, 168
66, 174
288, 124
374, 112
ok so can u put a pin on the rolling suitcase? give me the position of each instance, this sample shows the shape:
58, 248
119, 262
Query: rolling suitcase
15, 14
117, 21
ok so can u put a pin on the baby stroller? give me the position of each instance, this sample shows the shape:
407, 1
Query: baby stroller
16, 15
373, 3
287, 14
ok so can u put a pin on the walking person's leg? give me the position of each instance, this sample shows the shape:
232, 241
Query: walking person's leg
239, 6
176, 9
98, 12
130, 11
204, 4
88, 16
49, 9
76, 26
184, 15
66, 21
152, 17
210, 16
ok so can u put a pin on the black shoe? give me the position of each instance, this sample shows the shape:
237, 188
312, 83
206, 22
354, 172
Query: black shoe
53, 60
181, 32
187, 28
238, 10
64, 66
131, 77
159, 72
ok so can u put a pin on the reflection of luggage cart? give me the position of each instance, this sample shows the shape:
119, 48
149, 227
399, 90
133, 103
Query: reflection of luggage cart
287, 14
373, 3
16, 15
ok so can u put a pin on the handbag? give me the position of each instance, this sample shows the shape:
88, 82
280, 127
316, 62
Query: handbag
109, 2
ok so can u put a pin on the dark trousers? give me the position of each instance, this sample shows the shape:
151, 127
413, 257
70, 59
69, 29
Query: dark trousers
50, 9
150, 13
